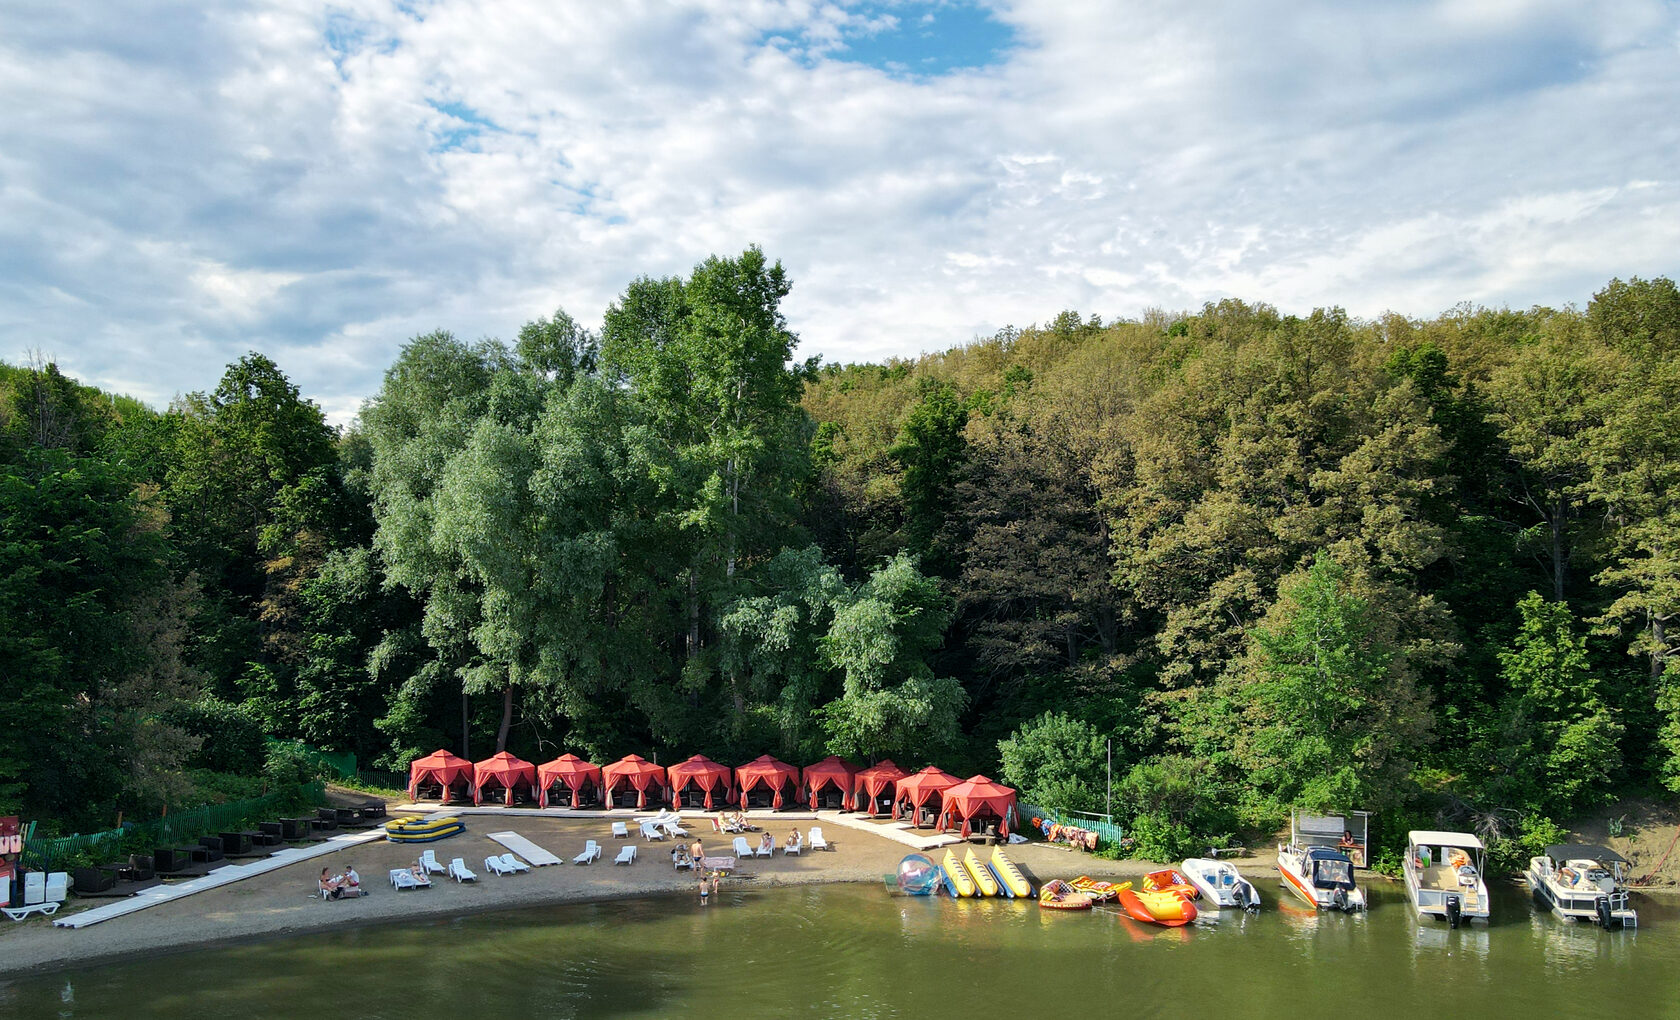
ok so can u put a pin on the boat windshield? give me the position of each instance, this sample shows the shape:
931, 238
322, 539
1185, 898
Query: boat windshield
1333, 874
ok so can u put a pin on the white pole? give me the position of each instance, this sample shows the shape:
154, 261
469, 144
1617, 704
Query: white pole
1108, 805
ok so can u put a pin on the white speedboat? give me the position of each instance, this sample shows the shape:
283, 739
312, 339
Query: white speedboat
1443, 873
1320, 875
1583, 883
1221, 884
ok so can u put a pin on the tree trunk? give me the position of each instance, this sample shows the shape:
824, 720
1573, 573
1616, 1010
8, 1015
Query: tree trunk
507, 718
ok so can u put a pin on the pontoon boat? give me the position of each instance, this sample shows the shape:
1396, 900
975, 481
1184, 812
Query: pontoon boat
1444, 875
1583, 883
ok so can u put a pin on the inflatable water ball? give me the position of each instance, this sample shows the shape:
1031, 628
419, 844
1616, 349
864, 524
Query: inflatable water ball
917, 876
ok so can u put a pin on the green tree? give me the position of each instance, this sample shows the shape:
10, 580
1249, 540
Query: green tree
892, 704
930, 450
1336, 719
1056, 761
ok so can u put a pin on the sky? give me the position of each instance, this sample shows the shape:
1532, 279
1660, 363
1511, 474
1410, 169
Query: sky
183, 183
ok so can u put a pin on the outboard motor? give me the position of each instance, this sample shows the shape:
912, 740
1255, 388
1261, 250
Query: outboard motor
1250, 897
1339, 899
1454, 911
1605, 917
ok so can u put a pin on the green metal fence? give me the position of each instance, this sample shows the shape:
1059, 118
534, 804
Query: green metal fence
1107, 832
341, 762
180, 827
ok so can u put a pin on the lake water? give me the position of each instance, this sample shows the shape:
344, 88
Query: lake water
856, 951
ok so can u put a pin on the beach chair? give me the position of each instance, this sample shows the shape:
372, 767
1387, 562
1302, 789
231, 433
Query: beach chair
717, 826
817, 841
620, 830
460, 873
766, 849
681, 860
429, 861
651, 833
513, 863
742, 849
591, 851
793, 848
731, 825
673, 829
495, 867
35, 897
626, 854
402, 878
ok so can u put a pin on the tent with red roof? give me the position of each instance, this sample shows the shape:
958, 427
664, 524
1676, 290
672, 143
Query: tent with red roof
440, 768
920, 787
776, 776
831, 771
868, 785
502, 771
577, 775
973, 796
633, 771
702, 773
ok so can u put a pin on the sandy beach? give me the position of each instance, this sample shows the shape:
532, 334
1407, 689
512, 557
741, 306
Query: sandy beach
284, 901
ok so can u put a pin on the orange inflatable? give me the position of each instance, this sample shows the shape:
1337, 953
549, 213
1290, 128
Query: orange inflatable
1164, 908
1170, 881
1100, 892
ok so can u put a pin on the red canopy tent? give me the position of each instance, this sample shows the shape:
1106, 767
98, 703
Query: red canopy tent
439, 767
571, 770
699, 771
634, 771
775, 775
974, 795
504, 770
920, 787
831, 771
871, 781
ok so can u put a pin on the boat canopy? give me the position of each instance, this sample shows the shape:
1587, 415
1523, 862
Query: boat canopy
1431, 837
1584, 852
1331, 869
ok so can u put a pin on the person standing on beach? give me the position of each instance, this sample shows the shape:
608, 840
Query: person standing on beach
696, 852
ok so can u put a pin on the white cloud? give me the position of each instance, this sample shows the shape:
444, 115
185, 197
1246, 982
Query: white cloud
323, 181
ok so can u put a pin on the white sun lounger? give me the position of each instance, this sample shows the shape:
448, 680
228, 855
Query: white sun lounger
513, 863
741, 847
626, 854
459, 871
651, 833
591, 852
673, 829
792, 848
428, 859
495, 866
766, 849
41, 894
538, 857
817, 841
682, 860
620, 830
402, 878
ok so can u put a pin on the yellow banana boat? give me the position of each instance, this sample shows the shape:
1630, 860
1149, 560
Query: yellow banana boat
1010, 874
983, 879
958, 876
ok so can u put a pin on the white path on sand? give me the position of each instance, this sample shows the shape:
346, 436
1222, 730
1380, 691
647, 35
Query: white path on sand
898, 832
216, 879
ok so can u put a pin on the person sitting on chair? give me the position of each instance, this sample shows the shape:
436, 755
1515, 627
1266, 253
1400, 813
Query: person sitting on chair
328, 886
767, 842
350, 883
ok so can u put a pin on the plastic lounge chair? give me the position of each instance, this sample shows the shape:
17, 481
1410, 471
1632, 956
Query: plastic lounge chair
717, 826
513, 863
681, 860
817, 841
766, 851
673, 829
459, 872
495, 867
742, 849
591, 851
793, 848
626, 854
650, 832
429, 860
402, 878
35, 895
620, 830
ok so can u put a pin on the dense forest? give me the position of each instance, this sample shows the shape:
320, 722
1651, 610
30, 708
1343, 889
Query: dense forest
1428, 568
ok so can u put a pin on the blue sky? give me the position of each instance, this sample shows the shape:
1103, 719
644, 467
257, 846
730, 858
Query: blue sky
321, 181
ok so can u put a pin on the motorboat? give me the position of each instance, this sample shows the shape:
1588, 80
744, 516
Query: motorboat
1444, 876
1221, 884
1583, 883
1321, 875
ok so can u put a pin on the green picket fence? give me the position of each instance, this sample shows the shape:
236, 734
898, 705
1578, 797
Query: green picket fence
1107, 832
180, 827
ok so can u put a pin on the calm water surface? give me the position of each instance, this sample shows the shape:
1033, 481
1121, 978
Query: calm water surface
855, 951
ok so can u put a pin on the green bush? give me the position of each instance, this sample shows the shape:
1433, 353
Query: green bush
1056, 761
290, 762
232, 739
1510, 856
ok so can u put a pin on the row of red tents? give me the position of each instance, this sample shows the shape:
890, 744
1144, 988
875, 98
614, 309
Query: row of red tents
859, 789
